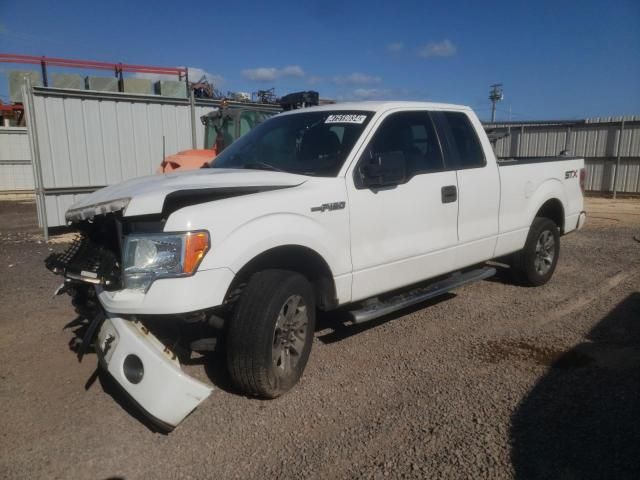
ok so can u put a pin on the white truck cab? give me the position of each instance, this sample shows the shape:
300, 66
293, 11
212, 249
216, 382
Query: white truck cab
320, 208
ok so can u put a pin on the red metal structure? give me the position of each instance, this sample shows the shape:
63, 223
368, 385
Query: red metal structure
117, 68
16, 111
10, 108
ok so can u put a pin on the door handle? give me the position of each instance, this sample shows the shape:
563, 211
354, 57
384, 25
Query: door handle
449, 194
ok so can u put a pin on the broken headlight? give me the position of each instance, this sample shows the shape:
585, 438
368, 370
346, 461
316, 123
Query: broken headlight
148, 257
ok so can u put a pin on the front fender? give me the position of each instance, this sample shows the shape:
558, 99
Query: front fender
278, 229
241, 228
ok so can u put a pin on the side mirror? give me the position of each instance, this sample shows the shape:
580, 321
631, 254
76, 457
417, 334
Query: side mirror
384, 169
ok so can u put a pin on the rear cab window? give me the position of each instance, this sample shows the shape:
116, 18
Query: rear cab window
459, 140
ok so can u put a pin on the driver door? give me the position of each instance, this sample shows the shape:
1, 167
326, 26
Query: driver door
404, 233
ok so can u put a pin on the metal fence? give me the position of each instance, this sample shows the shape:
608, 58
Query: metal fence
603, 142
601, 174
83, 140
583, 140
16, 174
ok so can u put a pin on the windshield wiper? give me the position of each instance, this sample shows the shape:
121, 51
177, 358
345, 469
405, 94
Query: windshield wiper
261, 166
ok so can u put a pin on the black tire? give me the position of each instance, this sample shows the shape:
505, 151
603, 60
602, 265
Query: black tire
534, 266
266, 350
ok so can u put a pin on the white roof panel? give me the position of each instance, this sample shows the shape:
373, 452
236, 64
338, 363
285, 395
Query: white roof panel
379, 106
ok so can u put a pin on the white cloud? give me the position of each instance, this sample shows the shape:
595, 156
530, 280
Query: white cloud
382, 93
262, 74
445, 48
395, 47
292, 71
356, 79
371, 93
195, 74
269, 74
314, 79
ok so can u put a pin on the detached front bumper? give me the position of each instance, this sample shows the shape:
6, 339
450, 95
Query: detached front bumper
148, 371
144, 367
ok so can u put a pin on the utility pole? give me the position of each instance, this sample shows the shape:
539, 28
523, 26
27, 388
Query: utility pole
495, 95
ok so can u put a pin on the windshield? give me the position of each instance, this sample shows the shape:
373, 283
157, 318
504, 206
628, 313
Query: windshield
310, 143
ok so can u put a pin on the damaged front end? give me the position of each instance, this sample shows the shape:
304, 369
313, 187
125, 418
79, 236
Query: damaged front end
145, 367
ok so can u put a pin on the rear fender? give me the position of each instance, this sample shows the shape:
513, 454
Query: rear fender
550, 189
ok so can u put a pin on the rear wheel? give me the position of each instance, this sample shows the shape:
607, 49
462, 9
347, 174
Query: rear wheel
270, 336
535, 263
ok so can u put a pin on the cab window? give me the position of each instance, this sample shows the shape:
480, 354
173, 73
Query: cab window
462, 148
411, 134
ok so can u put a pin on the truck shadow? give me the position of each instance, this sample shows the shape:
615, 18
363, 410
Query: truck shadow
111, 388
331, 327
582, 419
503, 275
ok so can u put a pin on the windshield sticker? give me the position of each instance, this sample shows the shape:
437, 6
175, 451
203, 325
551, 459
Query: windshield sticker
346, 118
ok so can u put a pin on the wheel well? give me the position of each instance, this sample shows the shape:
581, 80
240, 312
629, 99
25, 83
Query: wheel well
553, 210
296, 258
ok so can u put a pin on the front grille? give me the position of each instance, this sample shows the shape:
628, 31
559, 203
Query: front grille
87, 261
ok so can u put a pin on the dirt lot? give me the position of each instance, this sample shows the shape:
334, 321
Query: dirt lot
494, 381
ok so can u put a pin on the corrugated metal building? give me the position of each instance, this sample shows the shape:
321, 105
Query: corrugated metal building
599, 140
16, 174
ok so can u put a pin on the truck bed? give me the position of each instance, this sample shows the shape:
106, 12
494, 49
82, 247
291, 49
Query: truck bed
528, 184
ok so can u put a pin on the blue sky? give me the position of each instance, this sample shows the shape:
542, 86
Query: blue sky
556, 59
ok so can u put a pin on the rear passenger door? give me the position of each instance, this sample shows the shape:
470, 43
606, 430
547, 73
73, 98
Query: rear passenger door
404, 233
478, 186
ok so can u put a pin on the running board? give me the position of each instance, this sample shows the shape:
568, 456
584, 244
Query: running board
379, 308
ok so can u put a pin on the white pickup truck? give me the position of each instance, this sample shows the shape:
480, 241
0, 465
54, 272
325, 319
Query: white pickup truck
369, 207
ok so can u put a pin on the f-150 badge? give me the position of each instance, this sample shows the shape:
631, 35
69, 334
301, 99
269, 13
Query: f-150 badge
329, 206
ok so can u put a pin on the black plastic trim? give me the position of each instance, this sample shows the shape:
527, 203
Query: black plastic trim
508, 162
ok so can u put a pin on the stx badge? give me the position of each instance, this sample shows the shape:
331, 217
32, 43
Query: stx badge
329, 206
571, 174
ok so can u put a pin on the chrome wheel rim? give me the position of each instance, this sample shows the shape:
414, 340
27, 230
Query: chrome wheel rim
289, 334
545, 252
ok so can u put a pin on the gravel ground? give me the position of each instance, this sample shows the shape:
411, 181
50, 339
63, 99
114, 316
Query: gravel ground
494, 381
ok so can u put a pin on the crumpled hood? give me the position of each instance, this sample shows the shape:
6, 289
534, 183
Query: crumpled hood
146, 195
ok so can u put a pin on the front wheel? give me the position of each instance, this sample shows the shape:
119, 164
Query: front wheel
270, 335
535, 263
